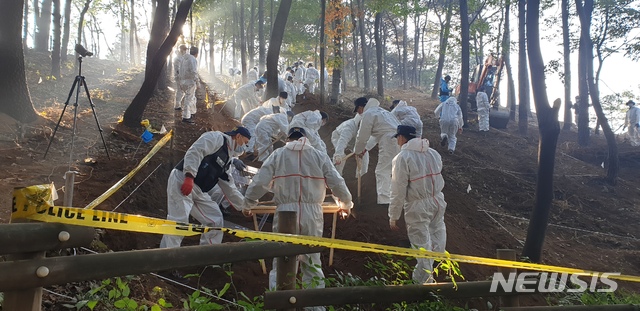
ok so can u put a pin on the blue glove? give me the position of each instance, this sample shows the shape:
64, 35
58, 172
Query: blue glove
238, 164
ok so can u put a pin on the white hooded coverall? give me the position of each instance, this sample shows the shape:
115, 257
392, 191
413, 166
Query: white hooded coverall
417, 188
341, 137
408, 115
483, 111
450, 121
298, 175
252, 75
381, 124
199, 204
311, 77
298, 78
177, 61
270, 126
632, 120
188, 80
251, 119
245, 99
311, 121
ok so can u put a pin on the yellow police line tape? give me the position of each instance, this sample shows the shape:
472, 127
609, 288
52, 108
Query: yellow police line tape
128, 177
35, 203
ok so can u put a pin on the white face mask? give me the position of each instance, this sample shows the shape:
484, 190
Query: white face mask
238, 150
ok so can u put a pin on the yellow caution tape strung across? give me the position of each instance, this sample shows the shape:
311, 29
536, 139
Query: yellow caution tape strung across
35, 203
128, 177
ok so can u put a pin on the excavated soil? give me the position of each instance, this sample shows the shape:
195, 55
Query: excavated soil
490, 183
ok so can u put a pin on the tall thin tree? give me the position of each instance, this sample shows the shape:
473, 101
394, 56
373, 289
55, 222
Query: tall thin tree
275, 43
445, 28
549, 129
133, 114
243, 44
506, 54
261, 43
379, 53
464, 78
366, 76
523, 71
66, 30
323, 44
57, 33
566, 53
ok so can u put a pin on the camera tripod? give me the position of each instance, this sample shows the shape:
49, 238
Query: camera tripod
77, 84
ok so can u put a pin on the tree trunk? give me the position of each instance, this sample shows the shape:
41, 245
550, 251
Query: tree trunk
567, 65
523, 72
464, 78
57, 32
212, 69
235, 36
378, 38
444, 36
243, 44
251, 39
405, 54
81, 20
586, 52
363, 42
275, 43
224, 45
336, 76
323, 44
506, 54
261, 43
158, 33
549, 129
66, 31
583, 87
164, 16
25, 28
416, 42
41, 42
354, 38
133, 114
15, 100
132, 32
123, 34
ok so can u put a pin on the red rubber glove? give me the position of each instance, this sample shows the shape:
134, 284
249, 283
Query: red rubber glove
187, 186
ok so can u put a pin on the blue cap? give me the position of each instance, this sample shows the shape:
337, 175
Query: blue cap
297, 130
406, 130
239, 130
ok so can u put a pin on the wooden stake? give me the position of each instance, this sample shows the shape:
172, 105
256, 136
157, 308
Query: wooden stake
287, 266
358, 169
333, 236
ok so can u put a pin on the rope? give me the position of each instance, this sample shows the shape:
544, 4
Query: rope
501, 226
565, 227
134, 190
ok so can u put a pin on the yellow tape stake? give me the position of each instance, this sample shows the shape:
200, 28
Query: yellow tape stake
128, 177
35, 203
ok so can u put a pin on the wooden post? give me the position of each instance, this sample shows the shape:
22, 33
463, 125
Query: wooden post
508, 254
359, 167
333, 236
257, 228
69, 178
287, 266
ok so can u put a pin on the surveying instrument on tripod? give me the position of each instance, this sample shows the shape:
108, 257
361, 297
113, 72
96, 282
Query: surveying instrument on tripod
77, 84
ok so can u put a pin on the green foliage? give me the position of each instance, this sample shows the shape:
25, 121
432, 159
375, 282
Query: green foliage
594, 298
113, 294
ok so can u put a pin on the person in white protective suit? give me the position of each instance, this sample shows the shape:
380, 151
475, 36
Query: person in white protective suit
326, 80
188, 83
194, 176
407, 115
240, 181
416, 188
451, 122
632, 123
177, 61
311, 76
341, 137
482, 101
252, 75
291, 90
298, 176
278, 104
311, 121
246, 98
298, 78
271, 127
381, 124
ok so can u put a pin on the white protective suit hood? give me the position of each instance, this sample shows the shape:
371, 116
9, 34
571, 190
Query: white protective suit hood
371, 103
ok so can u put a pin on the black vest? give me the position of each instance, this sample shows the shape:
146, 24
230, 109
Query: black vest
212, 168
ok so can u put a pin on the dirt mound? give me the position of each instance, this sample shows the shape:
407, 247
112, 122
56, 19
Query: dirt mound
490, 181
